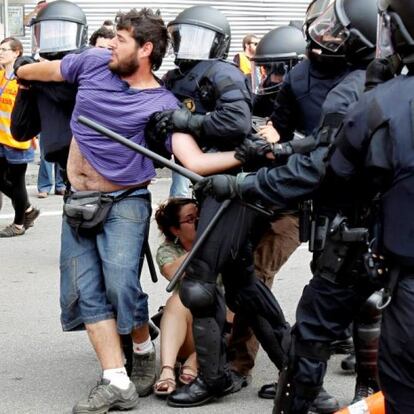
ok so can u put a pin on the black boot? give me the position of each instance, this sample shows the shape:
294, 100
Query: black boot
198, 393
363, 389
239, 381
324, 403
267, 391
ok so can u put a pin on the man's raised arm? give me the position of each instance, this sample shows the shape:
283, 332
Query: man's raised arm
42, 71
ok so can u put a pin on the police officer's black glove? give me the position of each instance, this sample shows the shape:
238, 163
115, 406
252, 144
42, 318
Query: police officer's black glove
185, 121
282, 151
221, 187
156, 133
252, 150
158, 127
380, 71
21, 61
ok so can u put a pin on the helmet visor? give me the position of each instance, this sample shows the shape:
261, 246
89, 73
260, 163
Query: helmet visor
328, 31
316, 9
51, 36
194, 42
267, 78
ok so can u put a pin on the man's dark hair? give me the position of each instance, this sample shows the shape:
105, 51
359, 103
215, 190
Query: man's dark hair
146, 26
108, 23
15, 44
101, 32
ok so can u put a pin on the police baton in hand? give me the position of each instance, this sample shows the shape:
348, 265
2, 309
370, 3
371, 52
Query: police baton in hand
193, 177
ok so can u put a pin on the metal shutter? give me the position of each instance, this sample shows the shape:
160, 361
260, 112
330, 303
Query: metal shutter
244, 16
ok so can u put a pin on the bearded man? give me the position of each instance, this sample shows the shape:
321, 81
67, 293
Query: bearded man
100, 287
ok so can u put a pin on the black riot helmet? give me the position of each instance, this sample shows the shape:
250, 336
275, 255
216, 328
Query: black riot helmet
396, 29
200, 33
347, 28
59, 28
314, 10
276, 53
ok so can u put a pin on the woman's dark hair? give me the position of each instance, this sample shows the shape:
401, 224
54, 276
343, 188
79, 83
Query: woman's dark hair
146, 26
15, 44
101, 32
108, 23
168, 215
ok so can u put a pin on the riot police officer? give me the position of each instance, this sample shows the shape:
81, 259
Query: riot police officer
297, 108
377, 146
298, 104
58, 29
276, 54
218, 114
334, 296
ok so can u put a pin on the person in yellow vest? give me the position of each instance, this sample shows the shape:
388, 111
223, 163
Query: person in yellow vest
242, 59
14, 155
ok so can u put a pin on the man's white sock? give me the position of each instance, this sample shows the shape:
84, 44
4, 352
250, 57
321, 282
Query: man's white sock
144, 347
118, 377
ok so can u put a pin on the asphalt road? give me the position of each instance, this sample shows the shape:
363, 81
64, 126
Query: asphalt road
43, 370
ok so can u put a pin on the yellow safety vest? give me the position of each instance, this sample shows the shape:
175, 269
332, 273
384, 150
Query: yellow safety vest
8, 90
245, 64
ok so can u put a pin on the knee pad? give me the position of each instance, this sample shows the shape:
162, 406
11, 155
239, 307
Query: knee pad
370, 312
198, 296
367, 329
368, 322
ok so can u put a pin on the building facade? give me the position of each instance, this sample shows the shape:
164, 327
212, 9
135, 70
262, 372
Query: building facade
245, 16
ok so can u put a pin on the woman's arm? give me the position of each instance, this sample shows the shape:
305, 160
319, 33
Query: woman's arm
169, 269
187, 151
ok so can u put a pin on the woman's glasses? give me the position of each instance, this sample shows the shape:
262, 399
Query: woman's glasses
189, 220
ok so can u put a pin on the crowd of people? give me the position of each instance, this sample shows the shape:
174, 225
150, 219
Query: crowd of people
307, 137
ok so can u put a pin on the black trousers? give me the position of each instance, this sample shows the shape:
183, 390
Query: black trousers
13, 185
396, 350
325, 311
229, 252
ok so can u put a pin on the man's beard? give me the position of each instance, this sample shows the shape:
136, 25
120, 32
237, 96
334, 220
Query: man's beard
125, 68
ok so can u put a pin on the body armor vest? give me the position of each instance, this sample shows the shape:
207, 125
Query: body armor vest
310, 87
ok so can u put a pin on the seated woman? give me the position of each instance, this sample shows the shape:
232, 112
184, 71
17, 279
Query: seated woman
176, 219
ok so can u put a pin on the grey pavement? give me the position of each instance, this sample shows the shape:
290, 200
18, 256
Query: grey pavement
43, 370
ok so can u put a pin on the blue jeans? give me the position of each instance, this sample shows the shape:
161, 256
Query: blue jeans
45, 176
15, 155
180, 186
100, 276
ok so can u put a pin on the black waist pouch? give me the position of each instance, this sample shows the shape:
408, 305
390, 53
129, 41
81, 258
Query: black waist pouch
86, 211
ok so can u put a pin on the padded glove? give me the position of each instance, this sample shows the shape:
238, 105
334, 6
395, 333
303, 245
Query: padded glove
185, 121
21, 61
221, 187
253, 149
158, 127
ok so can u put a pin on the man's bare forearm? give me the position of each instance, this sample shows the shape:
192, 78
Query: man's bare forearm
42, 71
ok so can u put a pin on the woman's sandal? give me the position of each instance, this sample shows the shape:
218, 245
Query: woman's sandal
188, 376
165, 386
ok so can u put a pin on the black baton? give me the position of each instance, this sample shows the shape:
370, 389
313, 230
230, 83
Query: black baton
195, 178
196, 247
150, 262
192, 176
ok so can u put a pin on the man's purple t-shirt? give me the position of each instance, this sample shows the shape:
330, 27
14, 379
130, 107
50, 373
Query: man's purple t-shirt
105, 98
